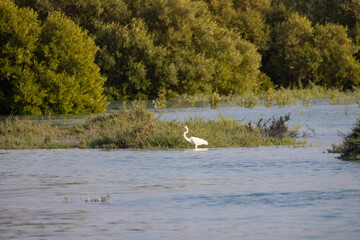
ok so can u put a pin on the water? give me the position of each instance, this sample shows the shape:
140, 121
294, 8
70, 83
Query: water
236, 193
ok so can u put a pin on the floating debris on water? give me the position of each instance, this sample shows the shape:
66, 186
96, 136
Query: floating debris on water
67, 199
101, 199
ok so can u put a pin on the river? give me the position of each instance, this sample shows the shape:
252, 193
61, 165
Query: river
213, 193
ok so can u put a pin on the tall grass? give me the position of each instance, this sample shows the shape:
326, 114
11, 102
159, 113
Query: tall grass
137, 128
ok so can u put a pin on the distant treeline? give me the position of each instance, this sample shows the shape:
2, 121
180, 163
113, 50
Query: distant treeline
60, 55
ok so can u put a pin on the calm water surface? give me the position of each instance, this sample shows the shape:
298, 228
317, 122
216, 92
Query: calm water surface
236, 193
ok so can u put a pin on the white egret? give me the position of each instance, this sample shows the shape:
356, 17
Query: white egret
194, 140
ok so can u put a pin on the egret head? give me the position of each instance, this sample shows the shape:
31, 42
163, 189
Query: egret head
186, 128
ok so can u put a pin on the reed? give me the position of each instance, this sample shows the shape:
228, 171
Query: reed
269, 97
283, 97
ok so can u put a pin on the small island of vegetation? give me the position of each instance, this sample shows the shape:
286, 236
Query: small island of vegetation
137, 128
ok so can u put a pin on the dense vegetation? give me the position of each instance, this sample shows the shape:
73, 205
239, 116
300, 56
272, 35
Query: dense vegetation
52, 52
46, 66
350, 147
137, 128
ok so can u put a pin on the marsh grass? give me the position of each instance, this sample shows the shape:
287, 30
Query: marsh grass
137, 128
16, 133
284, 97
334, 96
280, 97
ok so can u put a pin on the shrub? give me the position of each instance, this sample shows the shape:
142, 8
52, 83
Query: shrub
350, 147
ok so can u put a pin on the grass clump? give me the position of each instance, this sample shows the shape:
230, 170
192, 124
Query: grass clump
248, 100
350, 148
269, 97
215, 100
137, 128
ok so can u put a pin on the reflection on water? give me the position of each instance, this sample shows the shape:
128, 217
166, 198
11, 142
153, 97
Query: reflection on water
196, 149
204, 193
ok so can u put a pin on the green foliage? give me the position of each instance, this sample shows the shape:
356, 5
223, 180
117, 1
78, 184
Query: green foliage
238, 66
341, 12
169, 47
288, 64
136, 67
146, 46
67, 72
46, 68
338, 66
245, 17
20, 31
322, 54
205, 57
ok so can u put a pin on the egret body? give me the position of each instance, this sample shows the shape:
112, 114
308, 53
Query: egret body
194, 140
